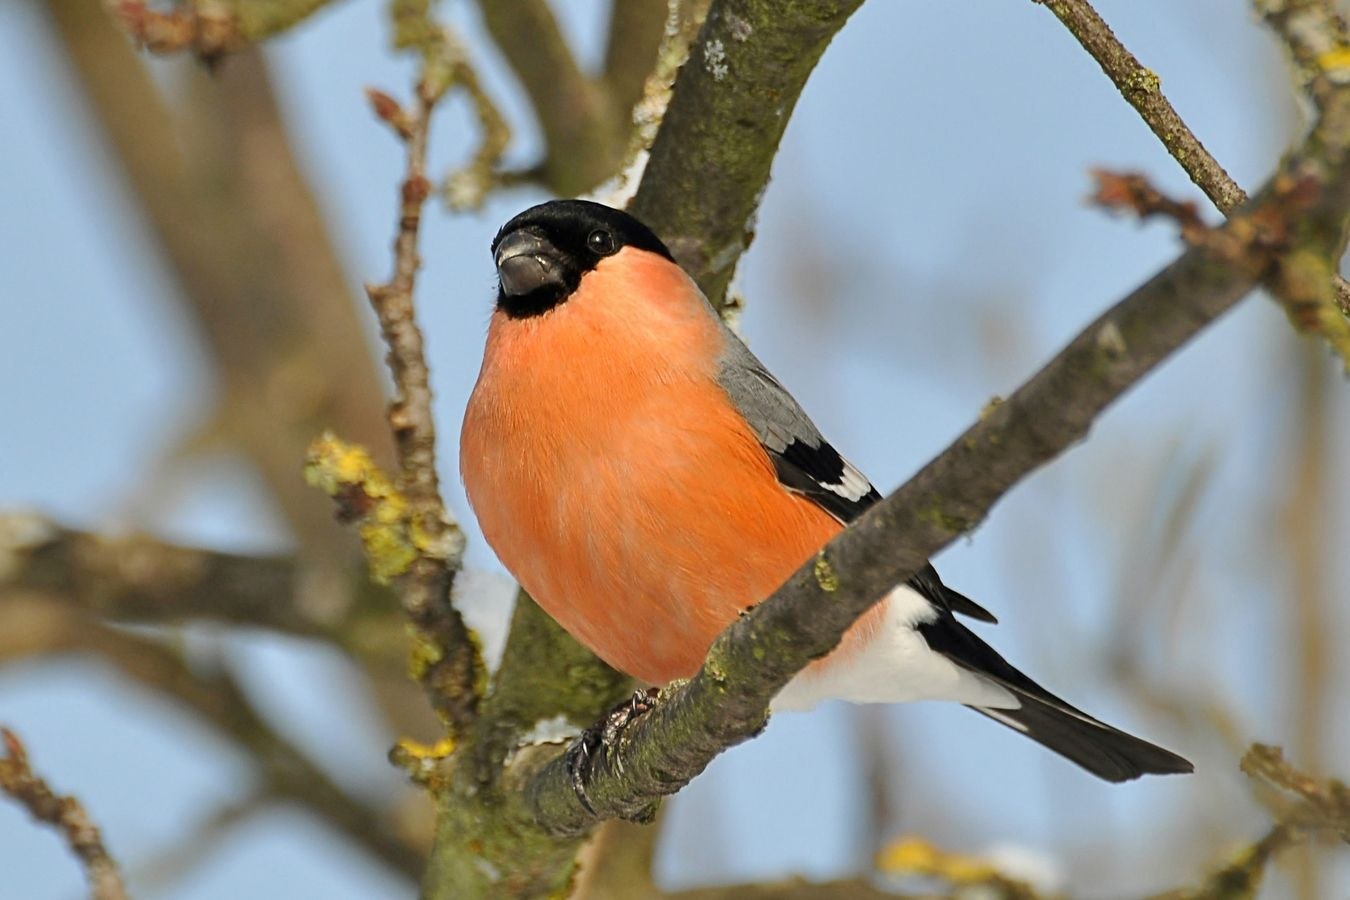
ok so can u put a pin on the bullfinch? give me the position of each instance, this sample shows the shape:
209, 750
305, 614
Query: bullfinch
646, 478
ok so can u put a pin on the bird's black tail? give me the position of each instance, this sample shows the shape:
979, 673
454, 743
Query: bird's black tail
1104, 751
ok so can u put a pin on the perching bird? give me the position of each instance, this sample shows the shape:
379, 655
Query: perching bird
647, 479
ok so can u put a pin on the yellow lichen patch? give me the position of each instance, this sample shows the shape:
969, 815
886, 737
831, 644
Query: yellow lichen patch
365, 494
916, 856
1335, 63
418, 750
422, 655
1145, 81
423, 762
825, 574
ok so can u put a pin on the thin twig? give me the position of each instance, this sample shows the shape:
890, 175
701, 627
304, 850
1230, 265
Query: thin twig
66, 814
448, 661
1142, 89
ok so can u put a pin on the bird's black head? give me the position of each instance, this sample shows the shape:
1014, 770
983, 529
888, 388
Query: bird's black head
542, 253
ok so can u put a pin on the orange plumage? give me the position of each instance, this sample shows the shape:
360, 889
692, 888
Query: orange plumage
578, 473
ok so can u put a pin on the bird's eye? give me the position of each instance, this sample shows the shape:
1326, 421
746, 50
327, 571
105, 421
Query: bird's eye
601, 241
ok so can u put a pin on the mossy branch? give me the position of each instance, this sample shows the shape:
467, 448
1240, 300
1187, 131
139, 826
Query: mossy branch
710, 162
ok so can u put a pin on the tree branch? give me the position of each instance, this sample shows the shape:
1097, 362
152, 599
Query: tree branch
711, 159
635, 34
137, 578
66, 814
727, 701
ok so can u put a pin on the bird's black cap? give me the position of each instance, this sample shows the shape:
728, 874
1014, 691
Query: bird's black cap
542, 253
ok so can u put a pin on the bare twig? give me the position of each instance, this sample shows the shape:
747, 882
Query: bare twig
467, 187
1314, 806
1318, 803
1132, 192
66, 814
1142, 89
447, 657
636, 32
585, 120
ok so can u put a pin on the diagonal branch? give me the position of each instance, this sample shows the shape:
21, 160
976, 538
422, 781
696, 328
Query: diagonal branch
1142, 89
727, 701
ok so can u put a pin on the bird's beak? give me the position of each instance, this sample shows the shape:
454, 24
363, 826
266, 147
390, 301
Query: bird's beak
526, 263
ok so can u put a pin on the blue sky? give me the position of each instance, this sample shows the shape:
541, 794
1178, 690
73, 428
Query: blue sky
923, 246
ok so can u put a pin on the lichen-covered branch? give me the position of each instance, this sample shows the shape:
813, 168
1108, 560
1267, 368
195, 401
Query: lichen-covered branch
710, 162
1303, 208
65, 813
487, 843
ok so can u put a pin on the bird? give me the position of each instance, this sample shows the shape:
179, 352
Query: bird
646, 479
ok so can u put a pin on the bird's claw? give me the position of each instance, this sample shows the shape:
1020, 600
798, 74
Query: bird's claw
597, 740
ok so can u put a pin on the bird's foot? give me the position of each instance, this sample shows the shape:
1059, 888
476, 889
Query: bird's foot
597, 740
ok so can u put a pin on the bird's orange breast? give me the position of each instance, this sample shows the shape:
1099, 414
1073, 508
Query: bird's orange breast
615, 480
